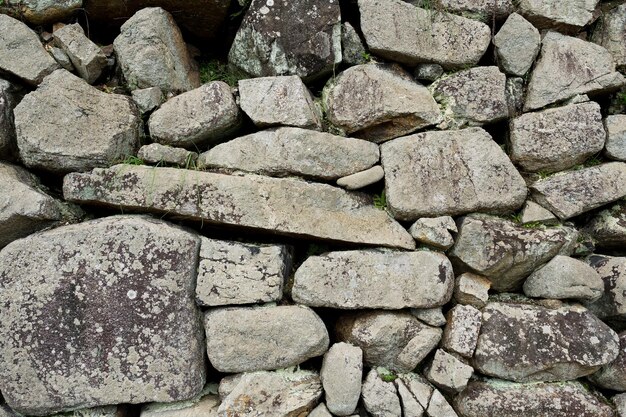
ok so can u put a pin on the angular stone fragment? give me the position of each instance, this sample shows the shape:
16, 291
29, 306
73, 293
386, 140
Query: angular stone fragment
196, 118
293, 151
615, 147
320, 411
434, 231
431, 316
380, 398
534, 213
560, 15
415, 393
148, 99
200, 406
362, 179
472, 97
378, 102
448, 372
252, 202
564, 277
277, 394
608, 227
434, 37
515, 91
238, 273
434, 174
532, 343
410, 405
114, 301
558, 138
270, 41
21, 52
286, 101
43, 12
472, 289
439, 406
395, 340
610, 31
461, 333
62, 58
341, 374
504, 252
53, 122
155, 153
517, 45
86, 56
353, 51
612, 304
613, 375
152, 53
478, 9
428, 72
569, 66
575, 192
246, 339
9, 98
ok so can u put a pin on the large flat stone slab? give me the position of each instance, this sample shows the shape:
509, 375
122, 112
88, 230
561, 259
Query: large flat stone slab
284, 206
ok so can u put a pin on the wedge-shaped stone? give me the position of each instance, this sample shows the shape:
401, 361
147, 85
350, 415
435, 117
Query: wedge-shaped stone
534, 213
504, 252
254, 339
433, 174
100, 313
561, 15
612, 304
608, 227
575, 192
293, 151
401, 32
524, 342
493, 397
284, 206
569, 66
517, 45
86, 56
610, 32
379, 102
374, 279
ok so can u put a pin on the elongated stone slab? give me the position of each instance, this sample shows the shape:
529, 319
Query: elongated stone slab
279, 205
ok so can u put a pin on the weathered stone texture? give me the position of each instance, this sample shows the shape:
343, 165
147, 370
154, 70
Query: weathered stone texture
380, 398
461, 332
341, 375
9, 98
610, 32
613, 375
563, 15
616, 137
608, 227
517, 45
362, 179
42, 12
155, 153
472, 289
448, 372
534, 213
434, 231
86, 56
612, 304
200, 406
148, 99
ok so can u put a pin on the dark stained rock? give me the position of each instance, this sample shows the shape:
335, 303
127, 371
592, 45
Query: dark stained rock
613, 375
608, 227
612, 304
9, 97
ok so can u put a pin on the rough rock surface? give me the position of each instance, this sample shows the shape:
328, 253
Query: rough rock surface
52, 123
155, 153
569, 66
200, 406
523, 342
461, 332
374, 279
609, 33
504, 252
561, 15
196, 118
558, 138
619, 401
341, 374
353, 51
612, 304
575, 192
418, 388
380, 398
431, 316
21, 52
41, 12
254, 202
616, 137
293, 151
449, 173
517, 45
362, 179
152, 53
608, 227
439, 406
478, 9
613, 375
435, 37
378, 102
428, 72
270, 41
240, 273
86, 56
148, 99
102, 289
61, 57
471, 289
244, 339
534, 213
448, 372
472, 97
9, 97
434, 231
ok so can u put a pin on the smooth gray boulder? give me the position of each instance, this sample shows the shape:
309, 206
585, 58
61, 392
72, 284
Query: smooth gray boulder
505, 252
517, 44
575, 192
434, 37
472, 97
448, 372
196, 118
22, 54
608, 227
288, 151
271, 42
152, 53
568, 66
558, 138
613, 375
534, 213
93, 332
434, 231
44, 12
610, 31
87, 57
155, 153
380, 397
472, 290
362, 179
561, 15
374, 279
148, 99
245, 339
378, 102
615, 147
53, 121
461, 332
434, 174
341, 375
252, 202
525, 342
10, 95
612, 304
239, 273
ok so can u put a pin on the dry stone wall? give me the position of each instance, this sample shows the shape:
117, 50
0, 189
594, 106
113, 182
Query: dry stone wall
386, 208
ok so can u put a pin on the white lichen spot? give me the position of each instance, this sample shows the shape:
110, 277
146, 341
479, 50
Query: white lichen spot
99, 329
264, 10
131, 294
269, 3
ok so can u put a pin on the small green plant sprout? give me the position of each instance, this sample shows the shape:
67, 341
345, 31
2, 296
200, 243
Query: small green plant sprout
543, 174
380, 201
516, 218
132, 160
366, 56
593, 161
388, 376
215, 70
621, 96
532, 225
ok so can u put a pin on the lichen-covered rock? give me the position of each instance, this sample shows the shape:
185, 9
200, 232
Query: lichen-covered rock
244, 339
362, 179
448, 372
353, 51
504, 252
575, 192
148, 99
270, 41
558, 138
612, 304
401, 32
534, 213
284, 206
431, 316
87, 58
9, 98
608, 227
152, 53
569, 66
478, 9
341, 375
155, 153
615, 147
428, 72
374, 279
380, 398
524, 342
201, 406
517, 44
289, 151
610, 32
434, 231
471, 289
613, 375
43, 12
21, 52
239, 273
560, 15
433, 174
472, 97
378, 102
492, 397
461, 332
619, 401
100, 313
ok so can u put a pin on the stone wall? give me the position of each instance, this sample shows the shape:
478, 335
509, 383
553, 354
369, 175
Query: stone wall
312, 207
